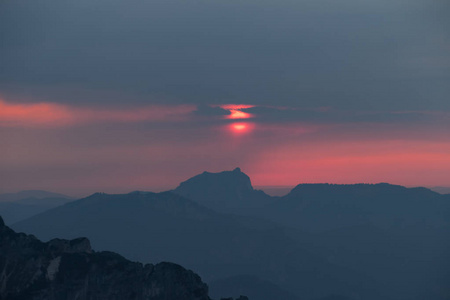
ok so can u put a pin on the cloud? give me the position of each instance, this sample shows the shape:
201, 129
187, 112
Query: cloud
348, 54
327, 115
237, 111
211, 111
46, 114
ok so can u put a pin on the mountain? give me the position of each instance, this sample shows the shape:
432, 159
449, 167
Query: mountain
396, 235
22, 209
69, 270
152, 227
322, 207
15, 207
228, 191
369, 241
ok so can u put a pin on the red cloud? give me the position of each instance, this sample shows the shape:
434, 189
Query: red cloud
48, 114
236, 111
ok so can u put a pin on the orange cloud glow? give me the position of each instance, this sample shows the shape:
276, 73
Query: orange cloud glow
33, 114
48, 114
237, 114
236, 111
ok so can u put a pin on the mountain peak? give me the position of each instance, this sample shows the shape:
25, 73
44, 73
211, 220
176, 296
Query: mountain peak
227, 191
226, 181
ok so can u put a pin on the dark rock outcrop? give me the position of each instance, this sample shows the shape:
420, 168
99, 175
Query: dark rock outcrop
62, 269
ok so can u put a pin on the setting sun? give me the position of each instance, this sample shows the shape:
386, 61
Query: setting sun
241, 128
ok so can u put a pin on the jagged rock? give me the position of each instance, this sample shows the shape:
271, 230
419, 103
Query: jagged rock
72, 246
69, 270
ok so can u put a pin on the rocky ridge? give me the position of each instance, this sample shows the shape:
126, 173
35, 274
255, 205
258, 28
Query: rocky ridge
63, 269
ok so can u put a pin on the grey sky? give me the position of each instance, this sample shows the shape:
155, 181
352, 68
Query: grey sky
384, 55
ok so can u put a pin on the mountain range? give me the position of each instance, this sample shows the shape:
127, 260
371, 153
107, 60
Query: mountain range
363, 241
153, 227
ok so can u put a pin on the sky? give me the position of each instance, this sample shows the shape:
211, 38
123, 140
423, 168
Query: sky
116, 96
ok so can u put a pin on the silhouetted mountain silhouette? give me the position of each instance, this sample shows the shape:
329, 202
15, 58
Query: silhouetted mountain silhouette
363, 241
228, 191
367, 227
153, 227
329, 206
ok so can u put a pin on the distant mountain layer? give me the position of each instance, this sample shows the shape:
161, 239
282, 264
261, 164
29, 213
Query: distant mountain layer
15, 207
69, 270
22, 209
398, 236
441, 189
154, 227
360, 241
320, 207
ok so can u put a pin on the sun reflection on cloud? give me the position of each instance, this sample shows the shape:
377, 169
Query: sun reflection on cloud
236, 111
237, 114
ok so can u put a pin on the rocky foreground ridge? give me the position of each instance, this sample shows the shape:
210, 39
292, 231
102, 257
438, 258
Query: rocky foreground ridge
69, 270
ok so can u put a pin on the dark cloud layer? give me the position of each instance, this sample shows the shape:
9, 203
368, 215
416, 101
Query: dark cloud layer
328, 115
388, 55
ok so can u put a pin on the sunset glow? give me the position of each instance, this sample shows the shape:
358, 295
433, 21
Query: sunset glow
241, 128
47, 114
236, 111
237, 114
275, 154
